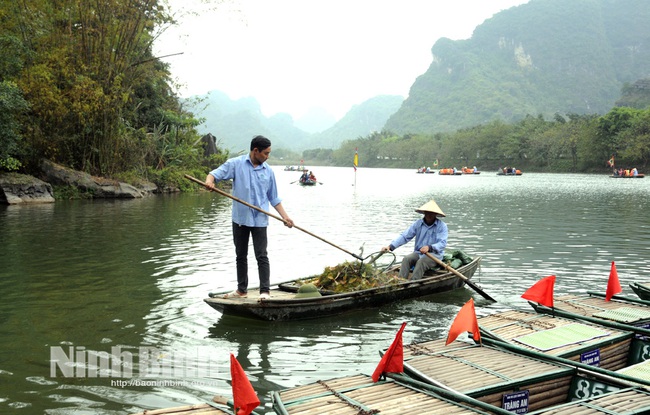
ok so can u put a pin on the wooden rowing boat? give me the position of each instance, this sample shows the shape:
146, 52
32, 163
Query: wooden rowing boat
284, 305
307, 182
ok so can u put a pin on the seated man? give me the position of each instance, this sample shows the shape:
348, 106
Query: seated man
430, 235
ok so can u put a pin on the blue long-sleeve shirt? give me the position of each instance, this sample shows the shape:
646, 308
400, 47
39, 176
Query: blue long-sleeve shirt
434, 236
254, 185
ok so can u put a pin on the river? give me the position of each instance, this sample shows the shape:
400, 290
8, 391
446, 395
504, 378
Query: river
88, 278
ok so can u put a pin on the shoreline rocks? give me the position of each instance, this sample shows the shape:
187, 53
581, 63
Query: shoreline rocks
18, 188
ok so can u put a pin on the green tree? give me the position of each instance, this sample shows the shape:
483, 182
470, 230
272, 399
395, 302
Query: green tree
99, 101
12, 105
607, 140
635, 139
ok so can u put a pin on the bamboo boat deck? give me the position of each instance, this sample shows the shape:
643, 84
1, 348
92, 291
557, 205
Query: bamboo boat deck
614, 310
488, 373
517, 326
201, 409
358, 394
639, 371
623, 402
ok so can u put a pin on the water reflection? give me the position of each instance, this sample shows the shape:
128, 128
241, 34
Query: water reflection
132, 273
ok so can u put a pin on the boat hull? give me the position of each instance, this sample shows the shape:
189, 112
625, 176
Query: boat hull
284, 306
643, 291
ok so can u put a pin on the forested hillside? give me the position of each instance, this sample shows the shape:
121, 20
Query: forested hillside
543, 57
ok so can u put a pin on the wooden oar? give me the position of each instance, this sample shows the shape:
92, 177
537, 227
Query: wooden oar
221, 192
462, 277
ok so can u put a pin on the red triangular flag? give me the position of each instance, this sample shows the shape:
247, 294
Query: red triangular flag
613, 284
465, 321
541, 292
244, 396
393, 359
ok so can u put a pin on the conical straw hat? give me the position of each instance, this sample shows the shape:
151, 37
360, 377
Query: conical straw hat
430, 206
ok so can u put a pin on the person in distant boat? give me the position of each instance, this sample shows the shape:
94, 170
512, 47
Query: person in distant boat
430, 235
635, 172
253, 182
311, 176
303, 177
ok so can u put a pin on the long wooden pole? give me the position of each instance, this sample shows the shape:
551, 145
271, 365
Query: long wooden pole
221, 192
462, 277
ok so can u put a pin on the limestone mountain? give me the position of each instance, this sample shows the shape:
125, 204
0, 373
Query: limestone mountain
542, 57
360, 121
235, 122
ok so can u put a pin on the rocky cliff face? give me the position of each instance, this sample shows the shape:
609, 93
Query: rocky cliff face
543, 57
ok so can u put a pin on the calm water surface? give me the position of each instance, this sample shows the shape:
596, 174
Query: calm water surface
93, 275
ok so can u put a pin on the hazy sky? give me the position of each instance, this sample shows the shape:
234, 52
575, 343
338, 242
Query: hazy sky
292, 55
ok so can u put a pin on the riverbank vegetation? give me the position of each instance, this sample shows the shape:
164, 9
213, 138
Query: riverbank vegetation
79, 86
568, 143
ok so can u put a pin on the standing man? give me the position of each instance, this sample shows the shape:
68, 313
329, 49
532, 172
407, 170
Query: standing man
253, 181
430, 236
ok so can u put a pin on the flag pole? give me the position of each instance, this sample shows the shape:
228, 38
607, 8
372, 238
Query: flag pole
355, 164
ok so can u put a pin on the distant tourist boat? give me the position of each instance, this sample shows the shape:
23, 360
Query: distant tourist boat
450, 172
468, 170
295, 168
508, 171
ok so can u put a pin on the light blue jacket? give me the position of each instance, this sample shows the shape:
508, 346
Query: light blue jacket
434, 236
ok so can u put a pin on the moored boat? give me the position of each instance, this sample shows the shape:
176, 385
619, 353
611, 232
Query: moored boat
286, 304
577, 340
511, 379
219, 406
642, 289
619, 312
358, 394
